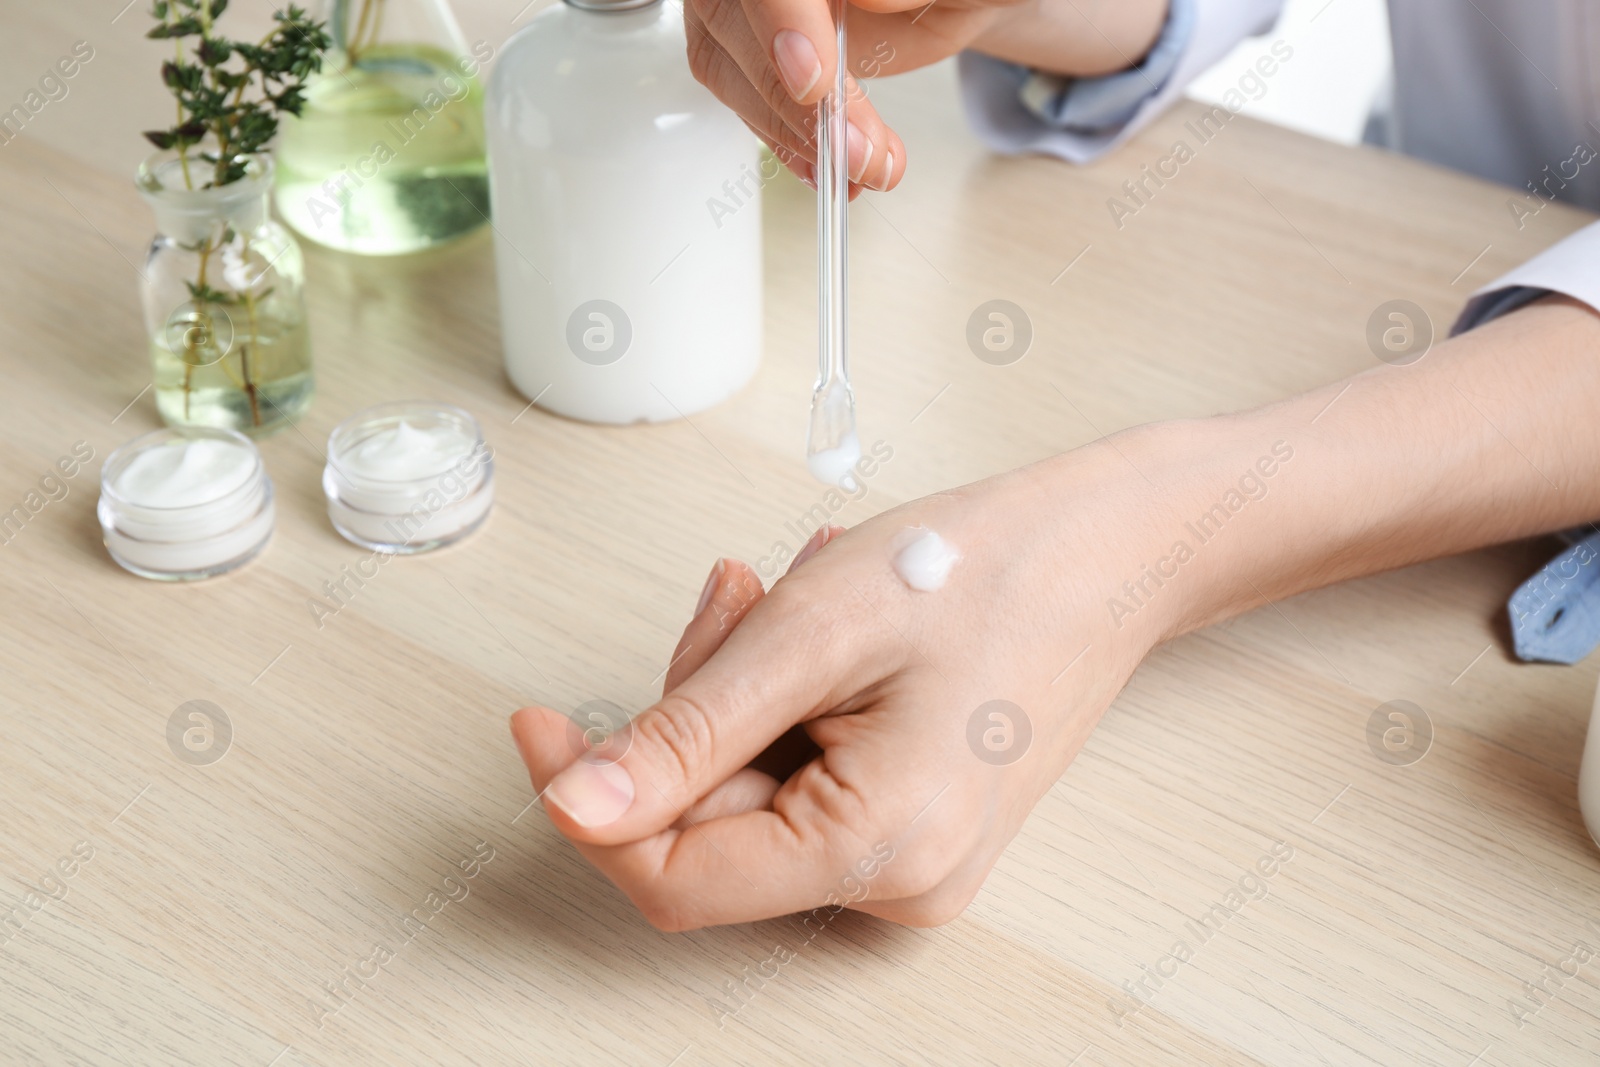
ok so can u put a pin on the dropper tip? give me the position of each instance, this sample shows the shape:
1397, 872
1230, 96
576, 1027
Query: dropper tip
836, 464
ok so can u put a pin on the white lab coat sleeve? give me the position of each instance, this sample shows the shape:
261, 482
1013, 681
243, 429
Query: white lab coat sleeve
1570, 267
993, 90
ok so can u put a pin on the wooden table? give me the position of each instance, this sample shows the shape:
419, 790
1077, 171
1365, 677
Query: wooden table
370, 756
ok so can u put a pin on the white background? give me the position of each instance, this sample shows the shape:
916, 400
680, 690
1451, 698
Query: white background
1341, 62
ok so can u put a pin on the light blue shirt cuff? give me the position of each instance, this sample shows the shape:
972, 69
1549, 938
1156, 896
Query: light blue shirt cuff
1555, 615
1099, 105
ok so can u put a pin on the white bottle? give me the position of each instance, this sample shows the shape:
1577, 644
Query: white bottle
627, 213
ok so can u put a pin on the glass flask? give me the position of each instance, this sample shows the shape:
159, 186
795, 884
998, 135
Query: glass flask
224, 300
387, 155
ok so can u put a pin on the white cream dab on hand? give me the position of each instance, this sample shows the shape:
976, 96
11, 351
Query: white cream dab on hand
925, 559
836, 466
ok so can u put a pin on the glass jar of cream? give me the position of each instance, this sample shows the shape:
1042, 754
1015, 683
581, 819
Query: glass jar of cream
408, 477
186, 502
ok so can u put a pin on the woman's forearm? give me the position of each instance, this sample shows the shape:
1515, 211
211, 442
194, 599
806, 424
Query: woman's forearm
1082, 38
1490, 437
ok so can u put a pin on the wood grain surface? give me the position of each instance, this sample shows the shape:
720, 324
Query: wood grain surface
209, 909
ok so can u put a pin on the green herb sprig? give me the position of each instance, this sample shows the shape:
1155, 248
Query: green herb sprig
212, 81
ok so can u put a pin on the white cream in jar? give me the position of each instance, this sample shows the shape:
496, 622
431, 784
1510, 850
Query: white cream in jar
408, 477
184, 503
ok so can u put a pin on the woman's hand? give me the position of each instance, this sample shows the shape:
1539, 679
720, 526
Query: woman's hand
900, 786
929, 723
772, 60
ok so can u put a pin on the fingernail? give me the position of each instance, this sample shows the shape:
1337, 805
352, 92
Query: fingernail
797, 60
802, 169
859, 147
711, 586
888, 173
812, 547
521, 738
591, 794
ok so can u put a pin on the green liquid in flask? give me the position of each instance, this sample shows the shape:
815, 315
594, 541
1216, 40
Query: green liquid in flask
387, 156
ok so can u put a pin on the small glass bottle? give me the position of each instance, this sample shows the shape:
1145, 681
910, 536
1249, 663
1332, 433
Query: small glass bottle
387, 156
185, 503
627, 206
224, 301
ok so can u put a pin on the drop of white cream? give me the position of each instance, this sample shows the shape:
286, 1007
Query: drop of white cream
836, 466
925, 559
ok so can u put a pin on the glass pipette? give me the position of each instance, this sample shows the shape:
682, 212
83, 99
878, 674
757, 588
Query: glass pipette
832, 447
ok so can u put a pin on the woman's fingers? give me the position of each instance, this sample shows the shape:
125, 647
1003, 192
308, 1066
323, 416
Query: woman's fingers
544, 740
731, 590
868, 822
782, 125
875, 835
728, 868
864, 824
728, 56
813, 546
549, 744
805, 648
747, 790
